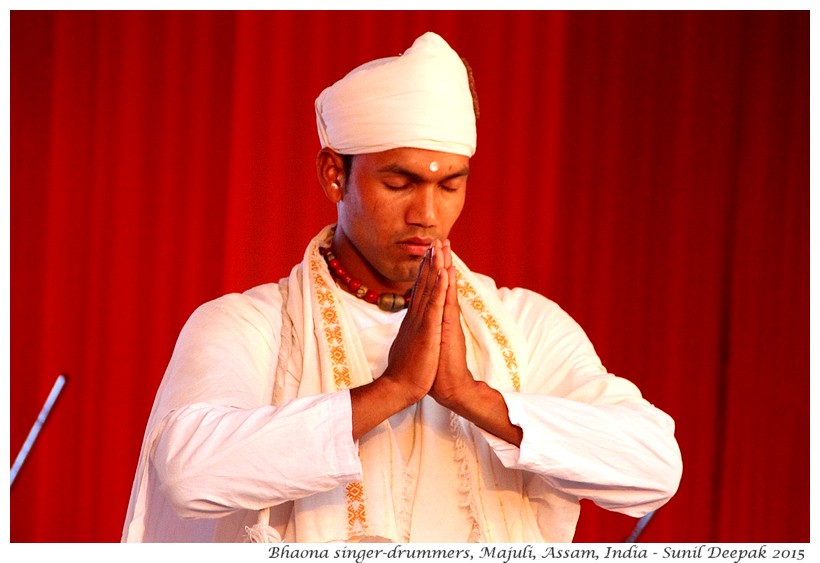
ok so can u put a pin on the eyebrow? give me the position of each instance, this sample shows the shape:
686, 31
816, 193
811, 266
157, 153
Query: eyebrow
413, 177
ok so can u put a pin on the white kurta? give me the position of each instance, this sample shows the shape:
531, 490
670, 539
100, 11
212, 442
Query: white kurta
223, 452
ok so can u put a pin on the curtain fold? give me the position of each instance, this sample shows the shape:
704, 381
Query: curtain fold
649, 171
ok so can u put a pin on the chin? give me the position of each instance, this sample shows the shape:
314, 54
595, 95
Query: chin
405, 273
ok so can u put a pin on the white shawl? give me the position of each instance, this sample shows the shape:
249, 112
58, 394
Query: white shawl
319, 337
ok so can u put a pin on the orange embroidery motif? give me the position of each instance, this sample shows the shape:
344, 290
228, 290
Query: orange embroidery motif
330, 316
356, 517
341, 376
468, 292
464, 288
337, 354
324, 297
333, 334
491, 323
354, 492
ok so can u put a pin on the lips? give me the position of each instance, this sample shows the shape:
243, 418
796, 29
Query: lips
415, 246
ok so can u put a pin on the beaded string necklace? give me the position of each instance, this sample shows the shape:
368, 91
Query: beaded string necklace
392, 302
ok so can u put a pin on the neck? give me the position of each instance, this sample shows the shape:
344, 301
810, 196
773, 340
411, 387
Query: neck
354, 262
387, 301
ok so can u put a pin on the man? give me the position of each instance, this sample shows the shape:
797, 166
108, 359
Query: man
383, 391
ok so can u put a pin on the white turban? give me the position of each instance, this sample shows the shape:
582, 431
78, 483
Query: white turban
420, 99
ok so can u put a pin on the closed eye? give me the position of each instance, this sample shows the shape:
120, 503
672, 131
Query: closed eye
396, 186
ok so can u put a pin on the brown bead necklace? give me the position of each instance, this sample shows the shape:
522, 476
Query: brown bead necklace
392, 302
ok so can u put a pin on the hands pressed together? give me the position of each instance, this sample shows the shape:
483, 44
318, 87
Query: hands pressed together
429, 353
429, 357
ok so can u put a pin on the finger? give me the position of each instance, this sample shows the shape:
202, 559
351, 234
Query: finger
448, 255
451, 306
436, 262
438, 296
436, 284
439, 255
421, 287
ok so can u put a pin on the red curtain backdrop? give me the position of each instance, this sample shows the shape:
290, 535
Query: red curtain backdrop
649, 171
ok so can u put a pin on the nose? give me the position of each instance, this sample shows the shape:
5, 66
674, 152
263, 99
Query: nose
422, 210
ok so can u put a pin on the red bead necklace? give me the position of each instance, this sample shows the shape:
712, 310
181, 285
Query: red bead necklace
386, 301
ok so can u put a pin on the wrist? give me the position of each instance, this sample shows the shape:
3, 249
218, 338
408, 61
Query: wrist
460, 398
403, 391
377, 401
486, 408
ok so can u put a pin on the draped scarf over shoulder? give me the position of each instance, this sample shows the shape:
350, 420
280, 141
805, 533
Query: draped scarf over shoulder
320, 339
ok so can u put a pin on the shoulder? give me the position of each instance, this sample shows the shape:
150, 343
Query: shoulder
259, 307
524, 304
542, 320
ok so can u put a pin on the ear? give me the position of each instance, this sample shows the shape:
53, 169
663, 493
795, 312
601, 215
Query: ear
330, 168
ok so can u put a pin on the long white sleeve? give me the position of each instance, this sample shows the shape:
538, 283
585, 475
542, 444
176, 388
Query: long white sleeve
623, 457
588, 433
215, 449
213, 460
